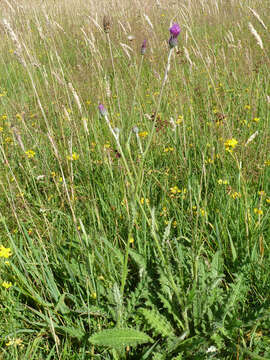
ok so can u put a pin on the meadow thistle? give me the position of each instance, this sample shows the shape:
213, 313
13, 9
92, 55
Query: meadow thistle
175, 31
102, 110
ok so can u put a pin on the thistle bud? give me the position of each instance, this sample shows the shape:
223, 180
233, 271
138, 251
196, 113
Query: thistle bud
102, 110
143, 48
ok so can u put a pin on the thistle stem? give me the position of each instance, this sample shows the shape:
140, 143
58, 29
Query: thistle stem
140, 176
159, 102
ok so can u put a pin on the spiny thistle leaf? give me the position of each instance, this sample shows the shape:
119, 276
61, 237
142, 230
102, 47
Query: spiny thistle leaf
139, 259
158, 322
116, 338
168, 305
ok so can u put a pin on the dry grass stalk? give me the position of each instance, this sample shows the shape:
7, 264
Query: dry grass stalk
19, 50
256, 35
76, 97
257, 16
107, 88
10, 6
148, 21
18, 138
251, 138
187, 56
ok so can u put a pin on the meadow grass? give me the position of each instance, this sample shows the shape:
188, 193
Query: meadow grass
142, 232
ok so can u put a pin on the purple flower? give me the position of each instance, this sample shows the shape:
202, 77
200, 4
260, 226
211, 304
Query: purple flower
143, 48
175, 31
102, 110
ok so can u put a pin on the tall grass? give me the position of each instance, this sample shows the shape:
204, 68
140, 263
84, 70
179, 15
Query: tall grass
144, 233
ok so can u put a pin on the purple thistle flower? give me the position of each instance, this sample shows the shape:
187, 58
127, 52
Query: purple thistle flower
143, 48
102, 110
175, 31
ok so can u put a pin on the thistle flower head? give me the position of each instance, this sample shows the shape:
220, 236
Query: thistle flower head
143, 48
175, 31
102, 110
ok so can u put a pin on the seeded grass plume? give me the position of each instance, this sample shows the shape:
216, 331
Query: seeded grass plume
134, 207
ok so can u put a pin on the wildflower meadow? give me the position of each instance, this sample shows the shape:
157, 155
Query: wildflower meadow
134, 179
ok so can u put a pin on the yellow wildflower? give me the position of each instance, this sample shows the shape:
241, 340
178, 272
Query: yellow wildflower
8, 140
222, 182
256, 119
230, 144
14, 342
174, 190
258, 211
5, 252
179, 120
168, 149
143, 134
6, 284
143, 200
30, 154
235, 195
202, 211
261, 193
164, 211
74, 157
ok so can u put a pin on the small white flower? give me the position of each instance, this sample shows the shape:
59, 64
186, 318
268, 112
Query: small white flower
40, 177
211, 349
135, 130
172, 122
